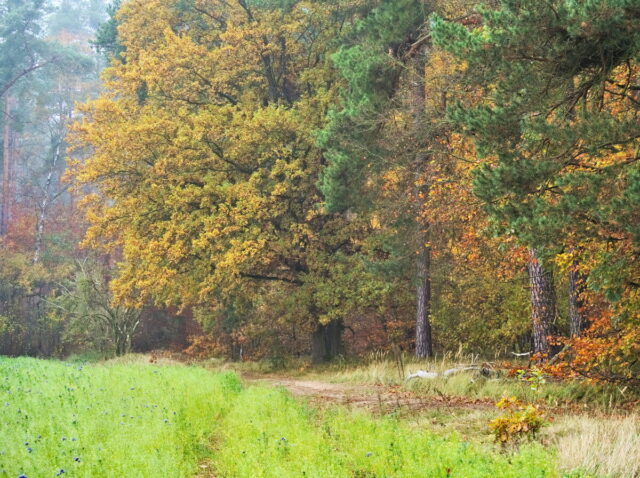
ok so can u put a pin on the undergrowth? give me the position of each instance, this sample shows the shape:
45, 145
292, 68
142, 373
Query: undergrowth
384, 369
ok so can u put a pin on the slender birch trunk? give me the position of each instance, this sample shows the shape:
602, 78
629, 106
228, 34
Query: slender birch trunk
6, 167
43, 207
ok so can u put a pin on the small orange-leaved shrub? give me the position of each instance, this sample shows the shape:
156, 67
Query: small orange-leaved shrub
519, 421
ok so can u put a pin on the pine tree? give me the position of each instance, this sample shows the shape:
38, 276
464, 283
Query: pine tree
558, 132
385, 63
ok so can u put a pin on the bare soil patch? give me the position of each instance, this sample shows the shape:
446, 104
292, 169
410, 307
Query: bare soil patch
375, 398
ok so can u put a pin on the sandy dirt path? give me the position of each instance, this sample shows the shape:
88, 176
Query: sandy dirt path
377, 398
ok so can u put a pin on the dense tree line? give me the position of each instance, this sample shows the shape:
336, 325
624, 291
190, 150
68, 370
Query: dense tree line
330, 177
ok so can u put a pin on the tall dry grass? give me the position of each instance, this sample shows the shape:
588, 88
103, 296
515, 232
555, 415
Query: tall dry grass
599, 446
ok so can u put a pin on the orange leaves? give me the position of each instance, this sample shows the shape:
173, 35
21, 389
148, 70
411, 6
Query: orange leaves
606, 352
520, 421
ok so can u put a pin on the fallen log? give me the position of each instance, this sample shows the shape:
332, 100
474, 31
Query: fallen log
447, 373
422, 374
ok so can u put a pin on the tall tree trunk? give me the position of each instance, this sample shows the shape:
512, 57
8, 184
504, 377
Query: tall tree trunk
326, 341
543, 304
577, 283
44, 205
13, 157
6, 167
424, 341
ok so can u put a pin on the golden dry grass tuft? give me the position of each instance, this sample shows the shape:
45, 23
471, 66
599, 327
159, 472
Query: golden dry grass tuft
599, 446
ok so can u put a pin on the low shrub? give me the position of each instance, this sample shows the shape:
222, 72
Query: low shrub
519, 421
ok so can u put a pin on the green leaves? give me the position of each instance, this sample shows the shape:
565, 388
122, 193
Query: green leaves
543, 115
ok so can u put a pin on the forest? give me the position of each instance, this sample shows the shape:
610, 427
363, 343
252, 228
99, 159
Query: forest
301, 178
324, 183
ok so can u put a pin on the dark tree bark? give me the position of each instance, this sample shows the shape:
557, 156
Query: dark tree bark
424, 341
543, 304
577, 284
326, 341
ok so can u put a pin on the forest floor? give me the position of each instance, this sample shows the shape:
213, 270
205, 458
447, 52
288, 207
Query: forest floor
463, 415
578, 423
377, 398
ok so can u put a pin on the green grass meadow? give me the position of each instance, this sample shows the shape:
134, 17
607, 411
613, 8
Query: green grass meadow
176, 421
110, 421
